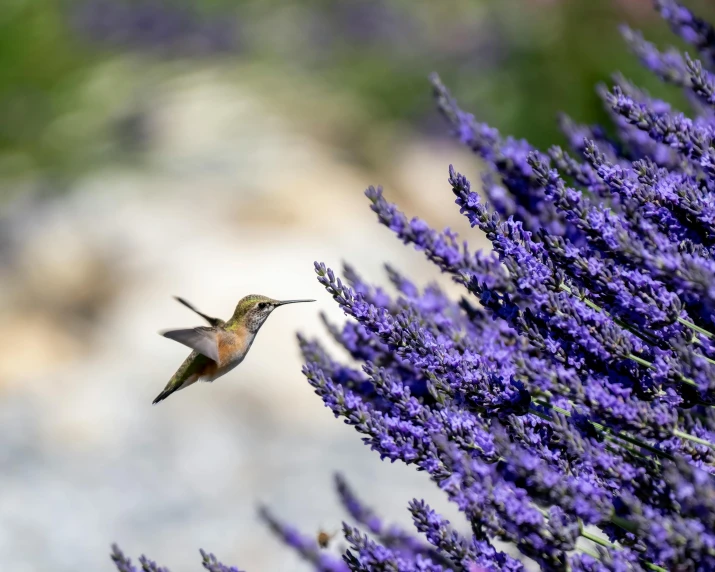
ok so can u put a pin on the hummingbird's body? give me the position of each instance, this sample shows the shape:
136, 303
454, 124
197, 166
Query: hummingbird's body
219, 348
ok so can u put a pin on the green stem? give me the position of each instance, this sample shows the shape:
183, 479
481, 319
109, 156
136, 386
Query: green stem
649, 365
608, 431
640, 360
607, 544
677, 432
631, 356
697, 342
596, 307
624, 524
596, 539
696, 328
589, 552
689, 437
537, 393
616, 441
634, 440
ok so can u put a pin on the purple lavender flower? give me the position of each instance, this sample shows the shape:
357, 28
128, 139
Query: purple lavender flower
669, 66
211, 563
366, 554
689, 27
392, 536
469, 553
306, 546
122, 563
151, 566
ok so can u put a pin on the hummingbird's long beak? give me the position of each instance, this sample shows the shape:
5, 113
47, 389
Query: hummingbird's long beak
281, 303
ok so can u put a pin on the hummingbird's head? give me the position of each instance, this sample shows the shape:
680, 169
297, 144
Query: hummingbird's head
253, 310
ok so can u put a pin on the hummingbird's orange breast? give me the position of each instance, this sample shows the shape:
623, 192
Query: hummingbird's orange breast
232, 348
233, 345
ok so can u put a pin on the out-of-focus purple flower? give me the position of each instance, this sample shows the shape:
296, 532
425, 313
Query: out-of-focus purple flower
122, 563
392, 536
157, 25
366, 554
306, 546
689, 27
460, 550
211, 563
670, 65
151, 566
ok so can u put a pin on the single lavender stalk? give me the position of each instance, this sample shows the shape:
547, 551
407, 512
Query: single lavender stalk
122, 563
306, 546
211, 563
151, 566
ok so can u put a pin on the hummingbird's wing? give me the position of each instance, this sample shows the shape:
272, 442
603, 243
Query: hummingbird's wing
216, 322
204, 340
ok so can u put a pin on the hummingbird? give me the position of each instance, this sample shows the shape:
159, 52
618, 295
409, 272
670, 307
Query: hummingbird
222, 345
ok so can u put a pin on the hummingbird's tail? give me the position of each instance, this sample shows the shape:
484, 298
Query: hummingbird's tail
184, 376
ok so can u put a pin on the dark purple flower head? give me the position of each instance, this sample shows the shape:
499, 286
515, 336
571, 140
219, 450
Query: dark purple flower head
306, 546
122, 563
689, 27
151, 566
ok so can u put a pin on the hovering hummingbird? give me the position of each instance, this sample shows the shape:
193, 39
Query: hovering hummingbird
221, 346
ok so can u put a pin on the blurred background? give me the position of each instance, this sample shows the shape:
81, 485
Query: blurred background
213, 149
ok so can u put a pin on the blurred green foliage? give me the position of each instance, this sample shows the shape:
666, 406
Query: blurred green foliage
514, 63
556, 56
42, 70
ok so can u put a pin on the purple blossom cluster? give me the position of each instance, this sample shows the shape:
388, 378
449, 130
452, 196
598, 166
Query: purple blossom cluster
165, 27
565, 402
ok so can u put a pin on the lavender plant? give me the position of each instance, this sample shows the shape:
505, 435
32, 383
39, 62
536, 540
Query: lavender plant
565, 402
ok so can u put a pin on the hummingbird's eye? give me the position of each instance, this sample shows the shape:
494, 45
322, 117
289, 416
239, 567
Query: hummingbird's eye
262, 305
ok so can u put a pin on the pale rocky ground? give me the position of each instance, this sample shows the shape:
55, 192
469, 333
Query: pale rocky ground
234, 198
